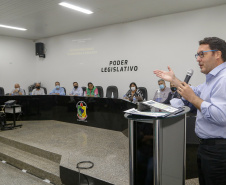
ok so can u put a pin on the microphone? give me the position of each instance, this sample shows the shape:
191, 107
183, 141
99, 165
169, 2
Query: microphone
188, 75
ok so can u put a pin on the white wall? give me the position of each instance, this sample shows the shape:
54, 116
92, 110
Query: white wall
16, 63
149, 44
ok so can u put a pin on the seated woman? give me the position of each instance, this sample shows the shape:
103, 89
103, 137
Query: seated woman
91, 91
134, 92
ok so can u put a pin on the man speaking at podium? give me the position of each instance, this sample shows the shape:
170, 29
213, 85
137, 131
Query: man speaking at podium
210, 101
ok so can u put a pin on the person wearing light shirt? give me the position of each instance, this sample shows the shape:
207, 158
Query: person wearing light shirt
76, 91
164, 91
58, 90
209, 99
38, 90
17, 90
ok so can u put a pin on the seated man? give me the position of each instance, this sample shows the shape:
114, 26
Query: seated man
172, 94
133, 92
76, 91
17, 90
178, 100
91, 91
38, 90
164, 91
58, 90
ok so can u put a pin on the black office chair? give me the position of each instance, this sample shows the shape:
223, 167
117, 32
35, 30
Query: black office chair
100, 91
30, 88
84, 89
2, 92
64, 90
112, 89
45, 90
144, 92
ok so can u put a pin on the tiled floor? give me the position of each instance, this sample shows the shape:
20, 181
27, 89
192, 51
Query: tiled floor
10, 175
192, 182
66, 139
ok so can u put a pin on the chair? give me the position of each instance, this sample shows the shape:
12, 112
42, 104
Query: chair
30, 88
45, 90
112, 89
64, 90
100, 91
2, 92
84, 89
144, 92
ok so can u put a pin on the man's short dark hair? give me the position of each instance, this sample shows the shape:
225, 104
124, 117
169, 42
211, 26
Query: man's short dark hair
57, 82
215, 43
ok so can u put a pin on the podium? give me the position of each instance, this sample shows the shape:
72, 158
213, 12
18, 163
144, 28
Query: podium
157, 149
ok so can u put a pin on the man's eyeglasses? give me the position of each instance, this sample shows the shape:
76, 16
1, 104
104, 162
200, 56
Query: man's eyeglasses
201, 53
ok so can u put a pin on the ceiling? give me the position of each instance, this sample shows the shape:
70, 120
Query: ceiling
45, 18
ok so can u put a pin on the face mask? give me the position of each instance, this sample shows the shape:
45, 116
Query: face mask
133, 88
161, 86
37, 87
173, 89
75, 86
17, 89
57, 86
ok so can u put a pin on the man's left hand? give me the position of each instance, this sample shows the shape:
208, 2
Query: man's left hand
186, 91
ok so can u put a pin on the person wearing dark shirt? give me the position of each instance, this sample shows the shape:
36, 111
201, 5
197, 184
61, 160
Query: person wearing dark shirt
172, 94
134, 92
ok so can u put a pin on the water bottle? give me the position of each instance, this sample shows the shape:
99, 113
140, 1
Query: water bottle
158, 99
112, 95
158, 96
134, 100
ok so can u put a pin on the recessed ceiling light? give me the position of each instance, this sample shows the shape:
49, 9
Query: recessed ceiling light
75, 8
12, 27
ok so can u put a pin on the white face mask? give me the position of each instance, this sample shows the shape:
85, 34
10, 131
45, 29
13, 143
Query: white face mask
17, 89
133, 88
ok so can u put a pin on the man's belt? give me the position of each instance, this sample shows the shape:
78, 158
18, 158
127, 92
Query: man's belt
212, 141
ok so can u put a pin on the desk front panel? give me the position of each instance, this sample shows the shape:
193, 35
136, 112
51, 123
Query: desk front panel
104, 113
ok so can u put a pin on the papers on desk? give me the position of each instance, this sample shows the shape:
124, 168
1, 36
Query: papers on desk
149, 114
165, 110
161, 106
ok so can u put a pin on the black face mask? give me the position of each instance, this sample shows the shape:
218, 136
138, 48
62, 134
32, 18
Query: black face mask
173, 89
75, 86
37, 87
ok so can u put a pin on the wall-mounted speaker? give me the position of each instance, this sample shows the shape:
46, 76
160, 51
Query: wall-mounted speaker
39, 49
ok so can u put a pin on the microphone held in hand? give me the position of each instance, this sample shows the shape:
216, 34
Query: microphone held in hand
188, 75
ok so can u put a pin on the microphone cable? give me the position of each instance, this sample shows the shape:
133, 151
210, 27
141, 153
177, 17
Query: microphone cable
84, 168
